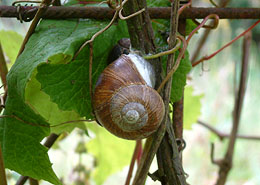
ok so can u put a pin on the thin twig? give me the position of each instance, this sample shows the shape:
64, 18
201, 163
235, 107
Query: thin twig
129, 16
226, 165
134, 158
96, 34
3, 180
213, 3
185, 43
35, 21
223, 3
222, 135
3, 67
168, 52
216, 20
200, 45
181, 9
117, 8
170, 169
38, 125
228, 44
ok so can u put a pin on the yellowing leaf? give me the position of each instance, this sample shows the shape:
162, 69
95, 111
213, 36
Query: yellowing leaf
11, 42
192, 107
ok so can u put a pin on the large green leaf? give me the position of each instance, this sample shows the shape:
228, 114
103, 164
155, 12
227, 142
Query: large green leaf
192, 107
46, 88
67, 84
111, 153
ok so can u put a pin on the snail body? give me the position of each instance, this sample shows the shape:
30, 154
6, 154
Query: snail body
124, 100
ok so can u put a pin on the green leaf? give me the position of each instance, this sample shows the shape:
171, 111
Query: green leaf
68, 84
192, 107
158, 3
46, 88
179, 77
111, 153
190, 26
11, 42
20, 138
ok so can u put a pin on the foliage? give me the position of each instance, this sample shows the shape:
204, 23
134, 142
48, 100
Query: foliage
179, 78
33, 104
112, 153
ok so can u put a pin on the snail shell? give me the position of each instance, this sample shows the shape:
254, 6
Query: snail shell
124, 101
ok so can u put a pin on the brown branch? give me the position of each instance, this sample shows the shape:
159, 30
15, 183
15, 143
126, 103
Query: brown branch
3, 67
2, 169
170, 169
62, 12
142, 39
134, 158
48, 143
222, 135
226, 164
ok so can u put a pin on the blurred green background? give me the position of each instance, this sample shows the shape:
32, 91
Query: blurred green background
101, 158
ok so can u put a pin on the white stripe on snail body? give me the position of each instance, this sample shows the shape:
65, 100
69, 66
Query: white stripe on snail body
124, 100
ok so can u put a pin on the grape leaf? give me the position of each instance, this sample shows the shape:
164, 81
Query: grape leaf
111, 153
20, 138
11, 42
32, 105
192, 107
68, 84
190, 26
179, 77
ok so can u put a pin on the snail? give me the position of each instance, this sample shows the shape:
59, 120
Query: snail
124, 100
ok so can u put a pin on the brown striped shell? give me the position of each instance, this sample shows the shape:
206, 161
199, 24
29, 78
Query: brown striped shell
124, 104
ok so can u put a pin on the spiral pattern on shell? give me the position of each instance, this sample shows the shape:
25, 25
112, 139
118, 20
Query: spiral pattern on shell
124, 104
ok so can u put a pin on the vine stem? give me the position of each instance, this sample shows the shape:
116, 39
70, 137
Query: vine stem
226, 163
216, 19
181, 9
118, 10
228, 44
35, 21
185, 44
176, 65
2, 169
222, 135
37, 125
3, 67
203, 39
135, 156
